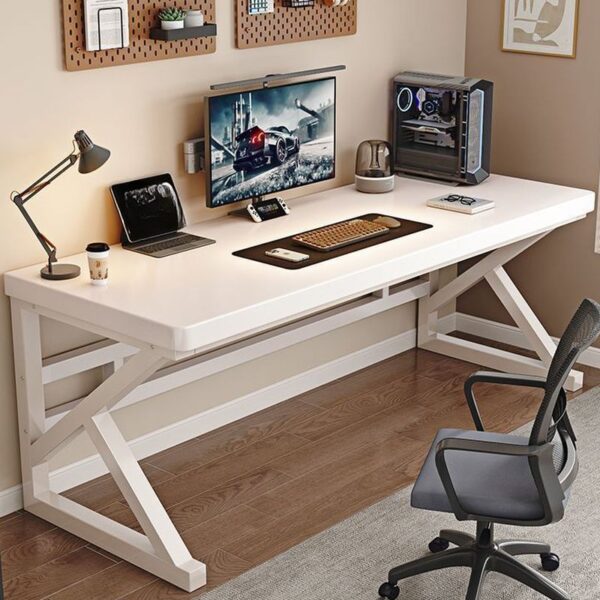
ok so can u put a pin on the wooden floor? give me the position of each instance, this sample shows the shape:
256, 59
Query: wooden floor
253, 489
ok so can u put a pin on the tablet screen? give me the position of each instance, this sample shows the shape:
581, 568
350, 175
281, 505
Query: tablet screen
148, 207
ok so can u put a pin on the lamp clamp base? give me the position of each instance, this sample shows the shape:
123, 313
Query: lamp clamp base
60, 271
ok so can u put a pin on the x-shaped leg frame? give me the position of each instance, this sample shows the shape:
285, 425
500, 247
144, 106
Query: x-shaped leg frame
490, 268
160, 549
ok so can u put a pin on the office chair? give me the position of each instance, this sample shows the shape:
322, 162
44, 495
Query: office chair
495, 478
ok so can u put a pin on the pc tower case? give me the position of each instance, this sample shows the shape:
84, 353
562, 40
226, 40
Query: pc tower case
442, 127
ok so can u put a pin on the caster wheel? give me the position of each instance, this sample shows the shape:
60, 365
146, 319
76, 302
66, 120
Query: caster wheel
389, 591
438, 545
550, 562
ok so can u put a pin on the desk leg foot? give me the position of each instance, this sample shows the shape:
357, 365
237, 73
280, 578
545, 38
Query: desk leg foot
126, 543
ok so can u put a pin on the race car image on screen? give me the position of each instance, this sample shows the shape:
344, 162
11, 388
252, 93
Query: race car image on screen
257, 148
270, 140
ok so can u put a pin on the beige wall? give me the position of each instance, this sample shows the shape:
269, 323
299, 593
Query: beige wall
546, 127
143, 113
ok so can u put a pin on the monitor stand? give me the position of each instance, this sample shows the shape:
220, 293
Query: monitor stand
261, 209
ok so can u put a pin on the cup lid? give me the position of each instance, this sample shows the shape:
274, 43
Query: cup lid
97, 247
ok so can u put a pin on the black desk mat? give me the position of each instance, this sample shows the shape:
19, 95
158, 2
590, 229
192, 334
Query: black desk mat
257, 253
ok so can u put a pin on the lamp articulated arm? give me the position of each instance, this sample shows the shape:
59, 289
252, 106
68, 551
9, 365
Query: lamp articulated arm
90, 157
20, 198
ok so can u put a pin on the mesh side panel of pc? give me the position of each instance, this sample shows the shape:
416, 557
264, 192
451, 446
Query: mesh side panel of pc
475, 146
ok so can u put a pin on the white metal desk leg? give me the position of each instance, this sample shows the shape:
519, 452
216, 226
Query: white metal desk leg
491, 268
138, 492
428, 319
161, 551
30, 395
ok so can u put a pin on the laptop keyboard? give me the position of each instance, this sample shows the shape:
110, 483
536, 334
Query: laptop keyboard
168, 244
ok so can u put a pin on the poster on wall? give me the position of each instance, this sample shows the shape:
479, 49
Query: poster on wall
541, 27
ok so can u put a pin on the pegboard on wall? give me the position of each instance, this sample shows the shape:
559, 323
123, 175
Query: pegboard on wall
288, 25
142, 17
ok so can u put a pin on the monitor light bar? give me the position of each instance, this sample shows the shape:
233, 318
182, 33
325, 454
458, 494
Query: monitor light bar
268, 79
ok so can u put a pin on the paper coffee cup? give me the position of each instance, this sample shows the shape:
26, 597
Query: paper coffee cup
98, 262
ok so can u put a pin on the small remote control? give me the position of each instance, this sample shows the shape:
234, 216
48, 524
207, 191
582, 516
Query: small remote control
288, 255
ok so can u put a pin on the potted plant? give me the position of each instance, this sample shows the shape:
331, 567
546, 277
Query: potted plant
171, 18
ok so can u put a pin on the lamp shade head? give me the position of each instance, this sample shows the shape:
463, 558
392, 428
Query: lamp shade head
91, 157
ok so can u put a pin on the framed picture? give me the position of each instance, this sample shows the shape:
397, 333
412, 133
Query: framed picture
541, 27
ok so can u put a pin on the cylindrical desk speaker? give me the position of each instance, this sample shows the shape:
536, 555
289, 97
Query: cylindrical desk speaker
374, 167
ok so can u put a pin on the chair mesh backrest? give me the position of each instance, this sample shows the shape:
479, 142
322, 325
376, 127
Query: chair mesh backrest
581, 332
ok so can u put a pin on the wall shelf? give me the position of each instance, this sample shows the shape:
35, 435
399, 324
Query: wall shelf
187, 33
142, 19
288, 25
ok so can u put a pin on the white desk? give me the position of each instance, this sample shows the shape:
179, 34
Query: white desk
189, 306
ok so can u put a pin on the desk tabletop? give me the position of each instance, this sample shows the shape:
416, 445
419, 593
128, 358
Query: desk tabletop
206, 297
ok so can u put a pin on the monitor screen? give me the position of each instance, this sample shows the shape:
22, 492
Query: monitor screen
269, 140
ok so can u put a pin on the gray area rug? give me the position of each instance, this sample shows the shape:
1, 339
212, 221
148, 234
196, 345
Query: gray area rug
350, 560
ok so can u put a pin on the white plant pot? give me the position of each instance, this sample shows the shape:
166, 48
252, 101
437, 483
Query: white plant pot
171, 24
194, 18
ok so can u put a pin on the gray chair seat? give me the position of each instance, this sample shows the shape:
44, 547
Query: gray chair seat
499, 486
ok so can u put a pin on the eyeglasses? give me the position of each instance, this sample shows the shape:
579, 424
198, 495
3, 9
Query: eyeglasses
462, 199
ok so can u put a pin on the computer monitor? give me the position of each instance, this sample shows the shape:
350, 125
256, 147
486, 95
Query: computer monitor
264, 141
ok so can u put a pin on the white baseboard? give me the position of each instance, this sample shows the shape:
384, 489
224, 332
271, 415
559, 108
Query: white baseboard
177, 433
508, 334
11, 500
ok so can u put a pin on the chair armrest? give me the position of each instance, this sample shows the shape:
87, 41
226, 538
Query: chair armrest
484, 447
542, 471
497, 378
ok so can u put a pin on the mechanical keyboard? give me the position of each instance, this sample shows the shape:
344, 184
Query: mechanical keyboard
342, 234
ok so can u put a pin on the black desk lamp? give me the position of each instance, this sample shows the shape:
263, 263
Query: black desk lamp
90, 158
